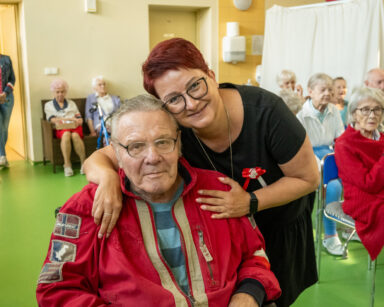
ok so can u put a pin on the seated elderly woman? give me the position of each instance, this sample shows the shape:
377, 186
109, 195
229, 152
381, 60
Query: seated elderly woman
292, 100
286, 79
340, 90
59, 111
359, 154
322, 121
108, 104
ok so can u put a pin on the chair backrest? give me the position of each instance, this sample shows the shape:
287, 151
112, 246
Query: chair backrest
80, 102
329, 170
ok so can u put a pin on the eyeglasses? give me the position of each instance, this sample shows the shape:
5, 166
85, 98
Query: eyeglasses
162, 146
196, 90
366, 111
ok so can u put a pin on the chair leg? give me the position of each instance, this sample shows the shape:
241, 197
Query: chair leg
319, 226
373, 264
345, 245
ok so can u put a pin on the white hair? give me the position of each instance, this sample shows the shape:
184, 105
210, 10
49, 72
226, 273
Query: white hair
95, 79
292, 100
285, 75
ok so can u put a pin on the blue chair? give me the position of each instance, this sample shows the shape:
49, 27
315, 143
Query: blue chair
334, 211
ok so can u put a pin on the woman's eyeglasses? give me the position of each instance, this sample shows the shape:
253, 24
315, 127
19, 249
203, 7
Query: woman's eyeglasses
366, 111
196, 90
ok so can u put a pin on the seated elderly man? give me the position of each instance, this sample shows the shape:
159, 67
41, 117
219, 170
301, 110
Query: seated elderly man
375, 78
165, 250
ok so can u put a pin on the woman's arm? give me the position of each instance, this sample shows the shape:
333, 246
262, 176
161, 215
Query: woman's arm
101, 168
301, 177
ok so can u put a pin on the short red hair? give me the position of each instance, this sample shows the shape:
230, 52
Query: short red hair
171, 54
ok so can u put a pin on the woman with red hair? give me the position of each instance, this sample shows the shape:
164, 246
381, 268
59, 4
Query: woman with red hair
240, 131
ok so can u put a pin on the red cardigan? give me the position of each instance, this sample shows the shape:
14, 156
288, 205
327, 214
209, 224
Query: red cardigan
361, 168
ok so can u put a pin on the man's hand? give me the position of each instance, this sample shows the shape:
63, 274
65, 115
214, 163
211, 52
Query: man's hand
242, 300
234, 203
107, 204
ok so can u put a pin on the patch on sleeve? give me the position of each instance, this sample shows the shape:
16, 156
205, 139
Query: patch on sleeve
67, 225
51, 272
261, 253
62, 251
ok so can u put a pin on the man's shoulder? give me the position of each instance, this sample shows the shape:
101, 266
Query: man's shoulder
81, 202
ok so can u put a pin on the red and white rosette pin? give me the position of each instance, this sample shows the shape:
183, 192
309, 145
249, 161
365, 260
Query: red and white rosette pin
253, 173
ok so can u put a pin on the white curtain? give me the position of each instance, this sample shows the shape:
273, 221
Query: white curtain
342, 39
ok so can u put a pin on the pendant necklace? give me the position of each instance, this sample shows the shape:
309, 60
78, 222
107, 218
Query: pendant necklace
230, 143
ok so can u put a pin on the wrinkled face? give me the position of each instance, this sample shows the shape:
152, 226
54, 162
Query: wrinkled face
340, 88
289, 84
321, 95
152, 175
198, 113
365, 118
101, 88
376, 80
59, 93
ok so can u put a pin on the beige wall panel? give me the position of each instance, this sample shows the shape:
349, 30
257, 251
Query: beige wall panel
113, 42
166, 24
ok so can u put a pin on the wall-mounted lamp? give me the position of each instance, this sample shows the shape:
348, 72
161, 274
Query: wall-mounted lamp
242, 5
90, 6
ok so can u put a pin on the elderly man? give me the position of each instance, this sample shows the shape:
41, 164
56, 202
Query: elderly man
165, 250
375, 78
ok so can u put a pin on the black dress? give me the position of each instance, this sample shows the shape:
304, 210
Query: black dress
270, 135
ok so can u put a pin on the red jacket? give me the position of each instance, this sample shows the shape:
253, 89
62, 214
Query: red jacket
127, 268
361, 168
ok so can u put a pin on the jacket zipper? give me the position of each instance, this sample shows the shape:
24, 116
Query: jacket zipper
189, 296
207, 255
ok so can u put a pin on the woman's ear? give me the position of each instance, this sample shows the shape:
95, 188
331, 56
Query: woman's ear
211, 74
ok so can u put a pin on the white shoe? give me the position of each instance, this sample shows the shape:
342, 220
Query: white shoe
82, 170
333, 245
346, 233
4, 161
68, 171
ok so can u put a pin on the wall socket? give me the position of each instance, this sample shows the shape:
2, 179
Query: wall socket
51, 71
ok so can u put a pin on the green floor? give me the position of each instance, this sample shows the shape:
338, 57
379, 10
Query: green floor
29, 195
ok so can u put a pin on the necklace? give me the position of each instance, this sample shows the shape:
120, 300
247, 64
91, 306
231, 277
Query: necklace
230, 143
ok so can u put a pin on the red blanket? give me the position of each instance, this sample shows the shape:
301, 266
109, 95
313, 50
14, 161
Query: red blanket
361, 168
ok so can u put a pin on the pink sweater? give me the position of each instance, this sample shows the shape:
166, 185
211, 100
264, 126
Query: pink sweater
361, 168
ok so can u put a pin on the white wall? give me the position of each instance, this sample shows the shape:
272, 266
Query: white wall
113, 42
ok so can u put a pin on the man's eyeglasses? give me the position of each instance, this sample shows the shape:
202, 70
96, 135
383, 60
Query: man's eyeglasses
196, 90
366, 111
162, 146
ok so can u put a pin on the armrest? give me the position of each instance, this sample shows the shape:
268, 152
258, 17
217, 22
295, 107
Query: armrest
47, 128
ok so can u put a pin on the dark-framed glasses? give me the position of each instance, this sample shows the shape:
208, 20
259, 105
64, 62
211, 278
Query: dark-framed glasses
162, 146
366, 111
197, 90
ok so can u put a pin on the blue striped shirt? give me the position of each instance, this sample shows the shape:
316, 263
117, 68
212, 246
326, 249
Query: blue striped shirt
169, 239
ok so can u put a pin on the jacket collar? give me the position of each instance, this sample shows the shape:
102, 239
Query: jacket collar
309, 110
57, 106
186, 171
